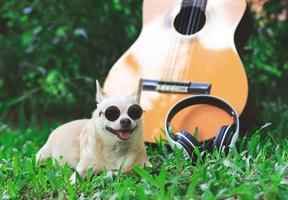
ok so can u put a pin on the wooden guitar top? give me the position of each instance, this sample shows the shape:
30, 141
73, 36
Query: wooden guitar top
161, 53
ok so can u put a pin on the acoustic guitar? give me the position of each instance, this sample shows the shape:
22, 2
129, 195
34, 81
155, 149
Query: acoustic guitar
185, 47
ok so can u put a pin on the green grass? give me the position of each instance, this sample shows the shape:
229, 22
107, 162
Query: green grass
258, 170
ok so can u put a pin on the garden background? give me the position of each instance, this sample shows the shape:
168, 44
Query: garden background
52, 51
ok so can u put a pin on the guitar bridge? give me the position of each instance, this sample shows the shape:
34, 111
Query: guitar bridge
176, 87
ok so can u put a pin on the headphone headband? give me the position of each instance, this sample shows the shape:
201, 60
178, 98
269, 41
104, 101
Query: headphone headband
199, 99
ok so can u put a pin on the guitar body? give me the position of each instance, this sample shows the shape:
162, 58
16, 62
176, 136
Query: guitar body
208, 56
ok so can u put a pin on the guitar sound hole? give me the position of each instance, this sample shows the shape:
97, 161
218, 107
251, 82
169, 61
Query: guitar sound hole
190, 20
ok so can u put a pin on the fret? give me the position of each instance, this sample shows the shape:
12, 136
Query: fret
197, 3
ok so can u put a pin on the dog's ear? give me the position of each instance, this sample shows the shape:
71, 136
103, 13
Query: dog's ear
100, 94
137, 92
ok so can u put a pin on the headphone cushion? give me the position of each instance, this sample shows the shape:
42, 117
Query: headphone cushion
224, 138
187, 141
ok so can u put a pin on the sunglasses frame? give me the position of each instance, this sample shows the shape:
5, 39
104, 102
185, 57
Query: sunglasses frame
119, 112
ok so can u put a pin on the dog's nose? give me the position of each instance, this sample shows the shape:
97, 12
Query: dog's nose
125, 122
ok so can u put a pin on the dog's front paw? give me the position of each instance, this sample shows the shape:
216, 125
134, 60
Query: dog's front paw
148, 164
73, 178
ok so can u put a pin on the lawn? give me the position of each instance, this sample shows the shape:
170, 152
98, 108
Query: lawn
258, 169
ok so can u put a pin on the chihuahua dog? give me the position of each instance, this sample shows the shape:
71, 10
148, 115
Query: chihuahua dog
111, 139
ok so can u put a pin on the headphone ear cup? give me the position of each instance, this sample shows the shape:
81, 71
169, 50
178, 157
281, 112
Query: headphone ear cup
223, 138
187, 141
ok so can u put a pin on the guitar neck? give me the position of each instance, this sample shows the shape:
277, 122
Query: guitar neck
197, 3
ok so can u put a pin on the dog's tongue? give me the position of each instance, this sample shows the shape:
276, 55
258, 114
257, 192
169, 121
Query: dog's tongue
125, 135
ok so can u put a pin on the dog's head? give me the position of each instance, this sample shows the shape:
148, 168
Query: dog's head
118, 118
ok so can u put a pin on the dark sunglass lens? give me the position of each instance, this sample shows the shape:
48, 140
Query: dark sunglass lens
112, 113
135, 112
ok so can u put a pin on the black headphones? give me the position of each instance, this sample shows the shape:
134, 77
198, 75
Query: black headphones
225, 137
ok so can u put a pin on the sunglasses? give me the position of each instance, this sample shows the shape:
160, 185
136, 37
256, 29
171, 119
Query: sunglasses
112, 113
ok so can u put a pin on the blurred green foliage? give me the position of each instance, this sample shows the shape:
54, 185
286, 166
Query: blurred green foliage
52, 51
267, 66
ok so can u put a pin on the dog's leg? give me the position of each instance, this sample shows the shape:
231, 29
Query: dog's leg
82, 168
148, 164
43, 154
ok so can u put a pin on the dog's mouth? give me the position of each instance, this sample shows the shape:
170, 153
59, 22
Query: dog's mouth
122, 134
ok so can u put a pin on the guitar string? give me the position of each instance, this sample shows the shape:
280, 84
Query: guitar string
179, 41
203, 5
191, 24
173, 59
176, 70
173, 53
184, 32
165, 63
191, 47
192, 29
165, 66
176, 46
